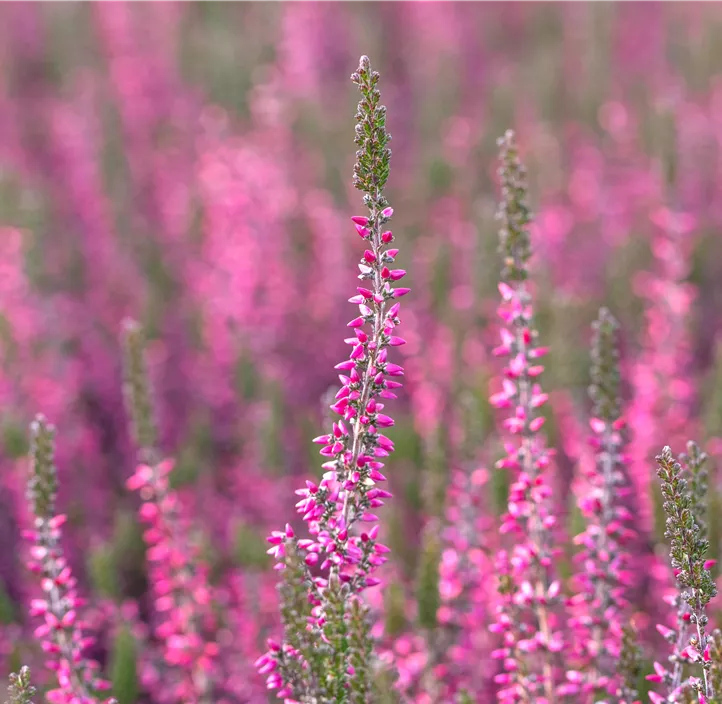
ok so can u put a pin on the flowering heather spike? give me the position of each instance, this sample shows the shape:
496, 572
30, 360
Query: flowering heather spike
529, 591
688, 548
61, 633
343, 549
20, 690
599, 604
178, 576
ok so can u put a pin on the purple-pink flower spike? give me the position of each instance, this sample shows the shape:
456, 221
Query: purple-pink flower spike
183, 598
60, 634
598, 607
684, 493
341, 550
531, 639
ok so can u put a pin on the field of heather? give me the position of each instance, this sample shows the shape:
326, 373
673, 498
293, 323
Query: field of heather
502, 330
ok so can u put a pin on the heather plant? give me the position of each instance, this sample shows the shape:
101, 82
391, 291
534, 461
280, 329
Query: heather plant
61, 633
532, 637
330, 660
328, 652
177, 573
691, 659
600, 606
154, 166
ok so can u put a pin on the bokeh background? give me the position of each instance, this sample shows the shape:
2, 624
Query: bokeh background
189, 165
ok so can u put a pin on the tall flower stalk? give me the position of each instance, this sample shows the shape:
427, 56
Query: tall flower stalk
61, 633
326, 652
600, 602
684, 506
528, 588
179, 577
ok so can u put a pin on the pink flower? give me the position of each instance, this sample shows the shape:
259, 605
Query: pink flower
525, 613
341, 551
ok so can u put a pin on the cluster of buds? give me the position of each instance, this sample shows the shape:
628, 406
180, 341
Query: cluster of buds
20, 689
529, 593
598, 606
342, 550
692, 645
61, 633
178, 576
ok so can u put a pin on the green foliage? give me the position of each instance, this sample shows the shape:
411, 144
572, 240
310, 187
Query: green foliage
394, 609
440, 284
336, 633
249, 548
401, 540
408, 444
128, 550
360, 652
195, 455
7, 609
712, 392
295, 614
246, 377
117, 568
427, 580
272, 430
441, 176
383, 688
14, 439
124, 667
103, 571
436, 471
499, 484
476, 415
